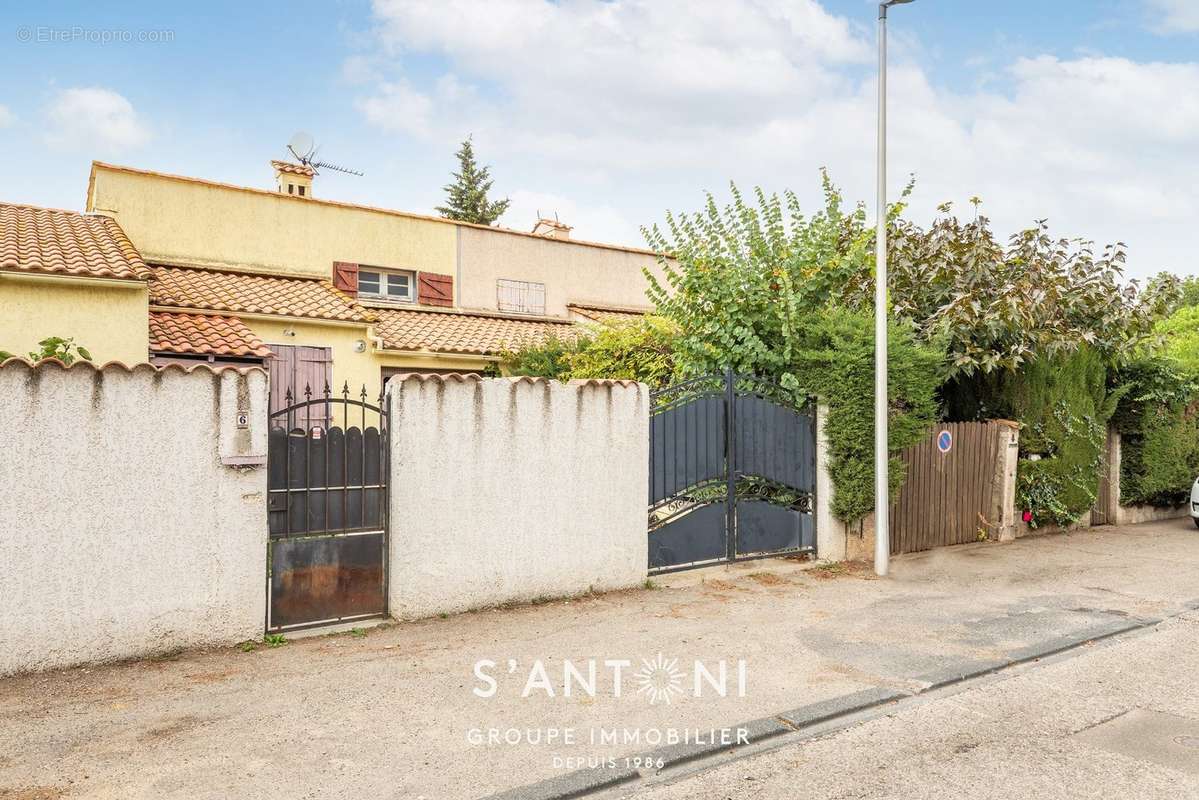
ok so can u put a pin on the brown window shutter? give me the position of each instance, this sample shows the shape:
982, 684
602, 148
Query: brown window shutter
435, 290
345, 277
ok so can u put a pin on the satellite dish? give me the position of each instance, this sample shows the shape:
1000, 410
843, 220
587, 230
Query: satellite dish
304, 149
301, 145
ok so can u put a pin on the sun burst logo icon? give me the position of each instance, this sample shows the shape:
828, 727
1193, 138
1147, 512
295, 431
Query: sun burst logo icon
659, 679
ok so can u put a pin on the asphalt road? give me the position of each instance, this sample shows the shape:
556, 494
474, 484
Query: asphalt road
1118, 719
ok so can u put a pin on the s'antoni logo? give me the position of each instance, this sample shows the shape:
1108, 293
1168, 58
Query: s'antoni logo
660, 679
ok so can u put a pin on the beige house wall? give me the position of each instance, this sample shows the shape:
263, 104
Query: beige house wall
107, 317
175, 220
179, 220
571, 272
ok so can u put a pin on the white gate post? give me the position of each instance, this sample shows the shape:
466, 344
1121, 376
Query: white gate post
830, 531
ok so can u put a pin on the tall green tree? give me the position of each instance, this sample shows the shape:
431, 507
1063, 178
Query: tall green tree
466, 197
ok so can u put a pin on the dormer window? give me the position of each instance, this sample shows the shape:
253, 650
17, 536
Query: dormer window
387, 286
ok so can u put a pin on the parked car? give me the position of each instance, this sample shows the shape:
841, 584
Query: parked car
1195, 502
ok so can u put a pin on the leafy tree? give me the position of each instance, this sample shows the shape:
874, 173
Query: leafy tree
742, 282
1180, 337
63, 349
1188, 288
1001, 307
467, 196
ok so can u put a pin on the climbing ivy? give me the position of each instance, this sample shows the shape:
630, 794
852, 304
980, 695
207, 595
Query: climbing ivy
1064, 404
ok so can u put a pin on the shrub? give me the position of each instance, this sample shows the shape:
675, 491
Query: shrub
640, 350
546, 360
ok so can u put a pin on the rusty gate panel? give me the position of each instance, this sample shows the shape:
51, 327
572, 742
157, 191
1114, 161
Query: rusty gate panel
948, 497
326, 578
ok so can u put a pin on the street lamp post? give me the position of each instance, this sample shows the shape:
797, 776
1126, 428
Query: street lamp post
882, 529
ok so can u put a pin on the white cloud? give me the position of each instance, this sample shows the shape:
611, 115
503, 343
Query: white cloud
1177, 16
398, 107
639, 105
94, 118
6, 117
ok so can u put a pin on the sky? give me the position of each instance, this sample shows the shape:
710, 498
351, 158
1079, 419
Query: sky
611, 112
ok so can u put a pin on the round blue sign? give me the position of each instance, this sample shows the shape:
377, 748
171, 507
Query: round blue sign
944, 441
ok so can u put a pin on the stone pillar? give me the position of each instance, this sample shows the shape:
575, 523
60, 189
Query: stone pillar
242, 426
1113, 476
830, 531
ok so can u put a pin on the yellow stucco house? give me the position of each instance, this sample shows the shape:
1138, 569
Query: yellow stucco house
173, 269
63, 273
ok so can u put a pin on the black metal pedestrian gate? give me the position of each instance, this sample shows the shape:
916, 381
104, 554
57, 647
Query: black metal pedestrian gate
327, 508
732, 472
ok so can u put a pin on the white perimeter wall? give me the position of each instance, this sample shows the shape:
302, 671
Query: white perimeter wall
131, 518
514, 489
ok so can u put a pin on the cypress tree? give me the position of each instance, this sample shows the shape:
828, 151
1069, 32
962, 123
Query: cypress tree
466, 197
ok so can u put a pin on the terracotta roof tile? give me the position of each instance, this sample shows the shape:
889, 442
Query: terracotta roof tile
205, 334
607, 314
475, 334
51, 241
235, 292
295, 169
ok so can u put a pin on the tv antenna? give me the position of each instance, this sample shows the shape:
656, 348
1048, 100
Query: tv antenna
304, 149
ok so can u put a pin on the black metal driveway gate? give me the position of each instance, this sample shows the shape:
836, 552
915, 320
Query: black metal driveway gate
327, 508
732, 472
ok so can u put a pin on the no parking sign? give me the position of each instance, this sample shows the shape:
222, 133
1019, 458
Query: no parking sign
944, 442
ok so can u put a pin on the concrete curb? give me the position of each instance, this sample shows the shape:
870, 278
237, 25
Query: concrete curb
823, 711
1069, 641
570, 785
583, 782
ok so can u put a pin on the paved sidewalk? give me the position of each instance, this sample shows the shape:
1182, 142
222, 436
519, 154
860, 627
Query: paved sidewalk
392, 713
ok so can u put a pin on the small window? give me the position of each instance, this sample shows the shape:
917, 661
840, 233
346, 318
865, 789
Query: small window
393, 287
301, 188
522, 297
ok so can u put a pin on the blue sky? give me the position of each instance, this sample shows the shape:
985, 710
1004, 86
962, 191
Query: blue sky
611, 112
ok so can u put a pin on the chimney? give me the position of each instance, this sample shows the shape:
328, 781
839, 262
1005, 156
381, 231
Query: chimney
293, 179
551, 228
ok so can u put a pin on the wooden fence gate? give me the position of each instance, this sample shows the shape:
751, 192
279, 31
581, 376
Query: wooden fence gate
950, 492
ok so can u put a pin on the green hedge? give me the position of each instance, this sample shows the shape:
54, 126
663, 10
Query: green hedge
1159, 432
836, 363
